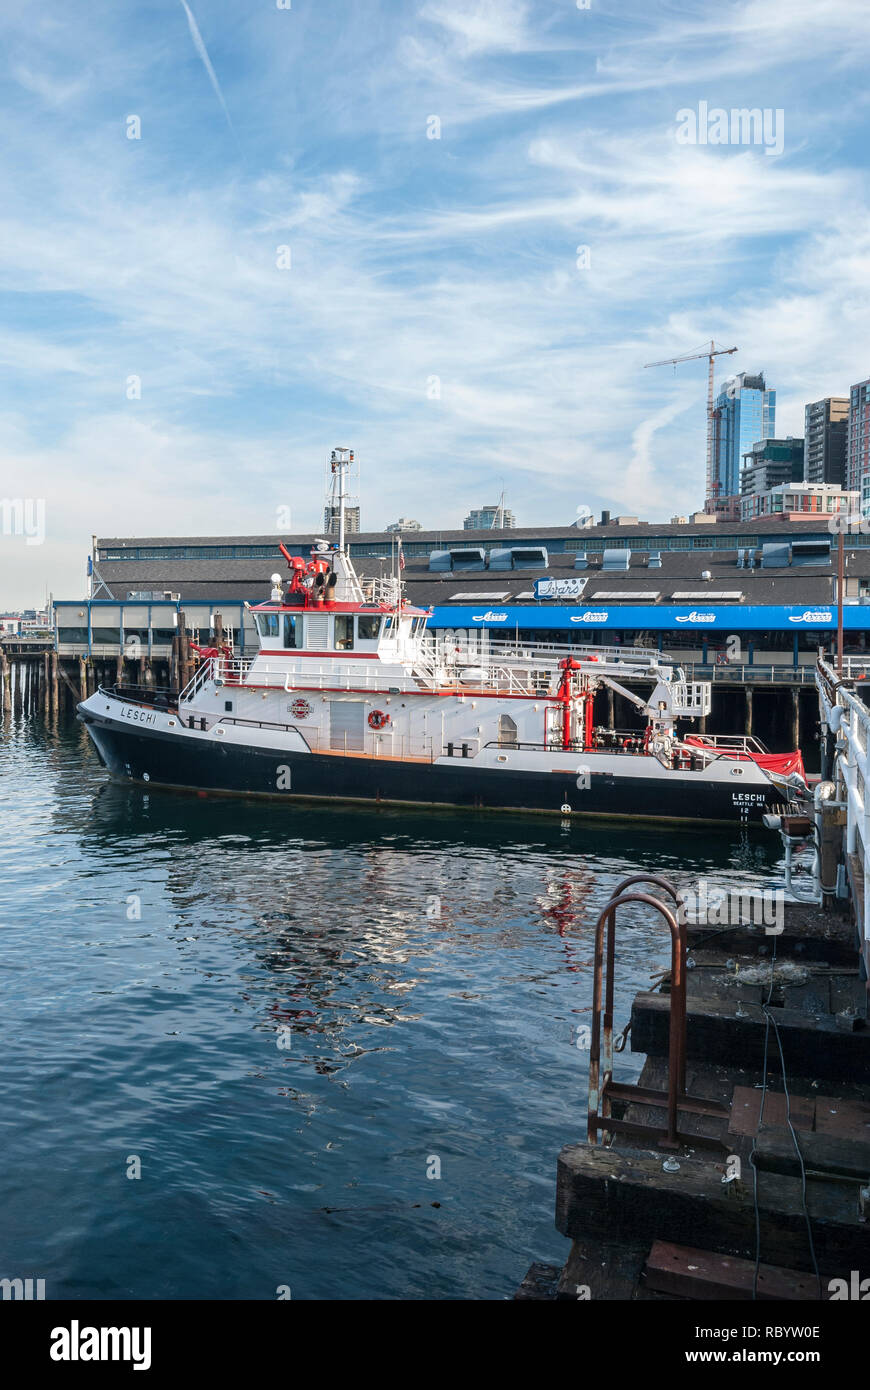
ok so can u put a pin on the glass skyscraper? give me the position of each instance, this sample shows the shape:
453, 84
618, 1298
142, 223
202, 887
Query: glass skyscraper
744, 414
858, 444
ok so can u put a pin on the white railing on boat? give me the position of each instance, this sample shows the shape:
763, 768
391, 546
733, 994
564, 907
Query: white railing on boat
508, 668
556, 651
386, 591
484, 646
371, 676
202, 674
846, 719
735, 743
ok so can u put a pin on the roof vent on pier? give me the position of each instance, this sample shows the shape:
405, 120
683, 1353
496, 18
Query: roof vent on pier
466, 558
470, 558
616, 559
774, 555
519, 557
811, 552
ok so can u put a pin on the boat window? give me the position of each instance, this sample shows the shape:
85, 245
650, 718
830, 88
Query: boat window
343, 632
368, 628
292, 634
267, 624
388, 626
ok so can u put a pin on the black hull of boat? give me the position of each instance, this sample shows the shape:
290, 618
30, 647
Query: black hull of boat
159, 759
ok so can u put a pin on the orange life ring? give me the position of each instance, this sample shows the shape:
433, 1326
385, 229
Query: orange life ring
378, 720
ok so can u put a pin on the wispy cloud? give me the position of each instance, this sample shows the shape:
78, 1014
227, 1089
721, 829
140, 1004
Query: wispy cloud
201, 49
481, 26
435, 314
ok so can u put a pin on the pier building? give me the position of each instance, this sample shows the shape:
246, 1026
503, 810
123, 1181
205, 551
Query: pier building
746, 604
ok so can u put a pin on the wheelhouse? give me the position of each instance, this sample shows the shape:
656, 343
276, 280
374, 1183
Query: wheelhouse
367, 630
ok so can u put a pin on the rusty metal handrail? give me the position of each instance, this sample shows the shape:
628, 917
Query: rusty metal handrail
659, 882
602, 1090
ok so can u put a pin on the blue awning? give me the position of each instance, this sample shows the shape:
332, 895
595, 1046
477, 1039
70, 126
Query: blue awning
579, 618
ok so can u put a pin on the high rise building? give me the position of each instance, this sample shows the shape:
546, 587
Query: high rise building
826, 425
330, 520
490, 519
858, 445
798, 500
771, 462
745, 412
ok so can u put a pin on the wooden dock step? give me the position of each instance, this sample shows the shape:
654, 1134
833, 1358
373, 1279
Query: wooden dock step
831, 1115
604, 1193
702, 1274
818, 1046
807, 935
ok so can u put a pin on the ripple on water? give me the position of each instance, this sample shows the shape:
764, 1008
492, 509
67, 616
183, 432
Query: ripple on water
264, 1007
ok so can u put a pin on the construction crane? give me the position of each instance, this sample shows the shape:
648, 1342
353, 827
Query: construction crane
708, 352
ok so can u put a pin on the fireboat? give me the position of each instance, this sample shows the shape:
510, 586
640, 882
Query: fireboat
352, 698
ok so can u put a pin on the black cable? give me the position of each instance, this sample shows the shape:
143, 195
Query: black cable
797, 1150
754, 1148
769, 1018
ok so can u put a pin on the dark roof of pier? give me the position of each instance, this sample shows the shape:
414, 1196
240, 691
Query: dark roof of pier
679, 571
771, 527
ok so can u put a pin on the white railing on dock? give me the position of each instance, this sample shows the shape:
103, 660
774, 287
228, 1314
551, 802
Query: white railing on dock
846, 718
757, 673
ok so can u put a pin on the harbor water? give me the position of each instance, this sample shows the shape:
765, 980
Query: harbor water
328, 1051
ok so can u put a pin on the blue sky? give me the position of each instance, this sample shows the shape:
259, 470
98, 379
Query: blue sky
412, 258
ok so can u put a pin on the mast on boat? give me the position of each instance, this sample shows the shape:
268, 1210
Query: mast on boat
340, 464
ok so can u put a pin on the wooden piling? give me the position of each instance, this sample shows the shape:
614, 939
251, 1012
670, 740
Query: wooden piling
174, 682
184, 663
830, 847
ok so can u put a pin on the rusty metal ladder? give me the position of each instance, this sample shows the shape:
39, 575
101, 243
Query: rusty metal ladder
603, 1090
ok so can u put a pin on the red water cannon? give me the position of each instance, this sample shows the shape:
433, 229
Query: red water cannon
309, 579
